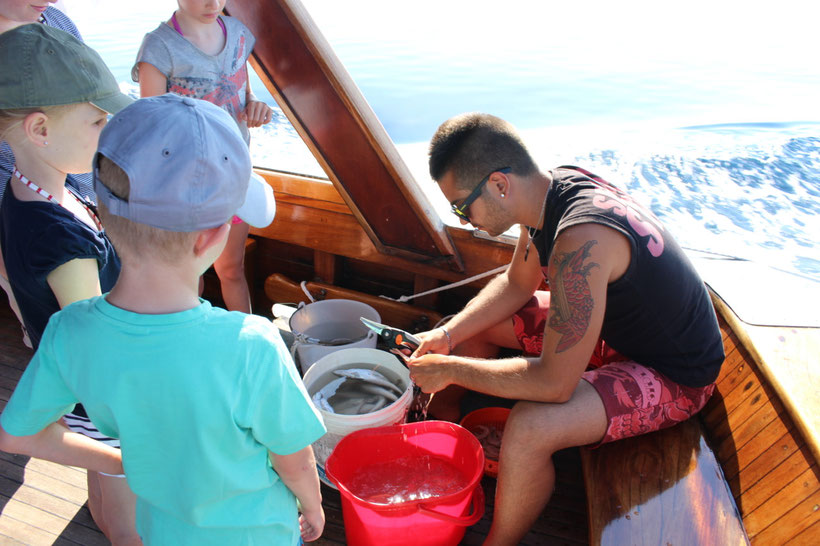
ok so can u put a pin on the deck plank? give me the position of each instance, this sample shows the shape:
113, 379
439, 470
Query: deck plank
50, 522
808, 537
772, 442
795, 504
25, 532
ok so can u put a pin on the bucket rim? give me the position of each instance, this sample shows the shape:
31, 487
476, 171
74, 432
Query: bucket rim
368, 358
302, 338
393, 430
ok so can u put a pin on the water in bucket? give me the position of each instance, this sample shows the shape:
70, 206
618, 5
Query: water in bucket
407, 479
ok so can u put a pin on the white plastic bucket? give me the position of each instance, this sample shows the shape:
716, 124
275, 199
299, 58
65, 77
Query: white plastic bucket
319, 327
339, 426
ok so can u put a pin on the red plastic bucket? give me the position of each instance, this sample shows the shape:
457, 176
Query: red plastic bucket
440, 520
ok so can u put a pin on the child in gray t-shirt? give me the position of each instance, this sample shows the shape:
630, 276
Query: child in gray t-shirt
203, 54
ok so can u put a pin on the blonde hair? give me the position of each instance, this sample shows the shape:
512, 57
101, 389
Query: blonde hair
132, 239
13, 117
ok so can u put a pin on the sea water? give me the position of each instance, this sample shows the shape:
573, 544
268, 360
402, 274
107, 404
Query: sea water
407, 479
714, 129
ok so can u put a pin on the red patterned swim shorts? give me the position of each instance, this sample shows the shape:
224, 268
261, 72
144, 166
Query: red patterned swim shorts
637, 399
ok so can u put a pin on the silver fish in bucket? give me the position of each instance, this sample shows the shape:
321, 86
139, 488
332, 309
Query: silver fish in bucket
357, 391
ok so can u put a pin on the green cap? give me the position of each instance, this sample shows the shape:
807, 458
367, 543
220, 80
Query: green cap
44, 66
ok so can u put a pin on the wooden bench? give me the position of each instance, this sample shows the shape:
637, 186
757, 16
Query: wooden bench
661, 488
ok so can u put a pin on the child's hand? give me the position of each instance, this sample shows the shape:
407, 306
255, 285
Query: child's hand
311, 524
257, 113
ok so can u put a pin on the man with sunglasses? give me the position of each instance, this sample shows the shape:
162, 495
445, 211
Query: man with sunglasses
625, 341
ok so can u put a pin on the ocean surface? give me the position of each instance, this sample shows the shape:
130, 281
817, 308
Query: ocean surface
709, 114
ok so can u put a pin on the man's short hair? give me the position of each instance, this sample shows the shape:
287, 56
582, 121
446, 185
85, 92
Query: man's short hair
473, 145
132, 239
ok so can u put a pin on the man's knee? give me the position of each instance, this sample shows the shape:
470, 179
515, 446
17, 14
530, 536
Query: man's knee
533, 425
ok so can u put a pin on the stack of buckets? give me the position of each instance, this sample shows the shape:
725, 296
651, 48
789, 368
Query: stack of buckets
338, 425
318, 360
358, 441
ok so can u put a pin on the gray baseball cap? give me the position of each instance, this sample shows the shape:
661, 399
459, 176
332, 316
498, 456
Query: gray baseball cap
187, 164
45, 66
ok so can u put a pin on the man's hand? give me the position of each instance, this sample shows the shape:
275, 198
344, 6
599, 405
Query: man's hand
432, 341
431, 372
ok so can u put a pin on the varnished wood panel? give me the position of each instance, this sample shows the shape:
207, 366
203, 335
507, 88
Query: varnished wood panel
808, 537
770, 468
787, 358
660, 488
309, 215
773, 443
733, 371
753, 416
783, 470
401, 315
790, 510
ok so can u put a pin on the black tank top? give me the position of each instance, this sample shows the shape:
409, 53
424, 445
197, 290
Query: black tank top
658, 313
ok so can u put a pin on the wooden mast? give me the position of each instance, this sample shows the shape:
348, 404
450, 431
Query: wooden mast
335, 121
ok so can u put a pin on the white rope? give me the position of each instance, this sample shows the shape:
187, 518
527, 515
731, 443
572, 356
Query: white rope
404, 299
443, 321
303, 284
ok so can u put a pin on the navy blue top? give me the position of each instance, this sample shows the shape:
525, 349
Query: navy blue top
52, 17
658, 313
39, 236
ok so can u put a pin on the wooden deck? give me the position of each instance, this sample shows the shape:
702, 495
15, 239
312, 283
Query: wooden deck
45, 503
40, 502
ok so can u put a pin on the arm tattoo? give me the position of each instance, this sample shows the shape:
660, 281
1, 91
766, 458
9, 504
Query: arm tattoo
571, 302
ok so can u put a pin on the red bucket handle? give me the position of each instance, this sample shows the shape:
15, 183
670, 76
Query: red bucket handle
466, 521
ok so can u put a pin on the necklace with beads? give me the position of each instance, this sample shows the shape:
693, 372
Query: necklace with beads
40, 191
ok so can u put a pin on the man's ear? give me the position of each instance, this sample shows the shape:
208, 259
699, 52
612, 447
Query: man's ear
35, 127
208, 238
500, 183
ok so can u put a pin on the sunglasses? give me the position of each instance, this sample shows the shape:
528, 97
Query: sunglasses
461, 210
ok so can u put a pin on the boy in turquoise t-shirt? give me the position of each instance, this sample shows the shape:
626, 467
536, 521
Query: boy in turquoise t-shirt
214, 422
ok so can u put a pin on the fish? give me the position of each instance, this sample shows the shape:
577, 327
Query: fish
372, 397
350, 406
388, 394
370, 376
357, 391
